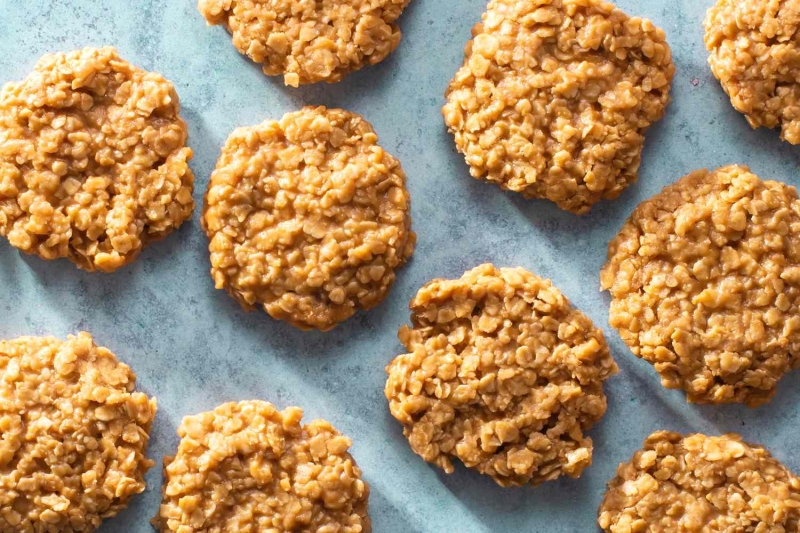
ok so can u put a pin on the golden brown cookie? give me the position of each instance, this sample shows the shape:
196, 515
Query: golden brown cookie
308, 217
248, 467
502, 374
705, 285
73, 435
703, 484
93, 162
555, 96
755, 54
309, 41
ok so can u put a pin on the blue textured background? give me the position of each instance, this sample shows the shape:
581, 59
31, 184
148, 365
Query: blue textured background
193, 348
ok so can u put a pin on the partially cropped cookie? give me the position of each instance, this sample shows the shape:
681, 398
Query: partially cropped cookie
502, 374
308, 217
93, 160
73, 435
248, 467
705, 285
755, 54
309, 42
703, 484
554, 98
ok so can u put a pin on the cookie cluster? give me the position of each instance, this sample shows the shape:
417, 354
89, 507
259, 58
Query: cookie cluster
309, 219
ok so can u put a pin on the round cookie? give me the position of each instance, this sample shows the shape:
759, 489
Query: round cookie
755, 54
554, 98
308, 217
249, 467
700, 483
309, 41
93, 162
73, 435
502, 374
705, 285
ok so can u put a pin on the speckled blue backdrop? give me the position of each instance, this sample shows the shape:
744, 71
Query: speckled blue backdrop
193, 348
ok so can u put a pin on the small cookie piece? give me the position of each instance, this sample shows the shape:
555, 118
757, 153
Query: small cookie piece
700, 483
73, 435
308, 217
705, 285
555, 96
755, 54
309, 41
248, 467
93, 162
502, 374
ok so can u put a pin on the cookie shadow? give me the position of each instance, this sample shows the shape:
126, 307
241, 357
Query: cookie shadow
206, 143
490, 504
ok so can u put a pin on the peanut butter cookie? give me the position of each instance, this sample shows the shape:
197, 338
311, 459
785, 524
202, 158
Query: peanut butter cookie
249, 467
73, 435
308, 217
502, 374
755, 54
93, 162
309, 41
703, 484
555, 96
705, 285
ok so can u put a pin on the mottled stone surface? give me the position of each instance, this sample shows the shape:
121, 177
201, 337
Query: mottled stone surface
193, 348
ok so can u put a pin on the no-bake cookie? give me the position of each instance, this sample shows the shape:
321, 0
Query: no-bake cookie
247, 467
93, 162
309, 41
703, 484
73, 435
755, 54
308, 217
554, 98
502, 374
705, 285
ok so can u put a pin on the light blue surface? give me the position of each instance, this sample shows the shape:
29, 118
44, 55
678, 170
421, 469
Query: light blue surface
193, 348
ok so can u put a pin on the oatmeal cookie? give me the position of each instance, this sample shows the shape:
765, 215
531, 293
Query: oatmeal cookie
249, 467
309, 41
93, 162
73, 435
502, 374
755, 54
555, 96
705, 285
308, 217
699, 483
